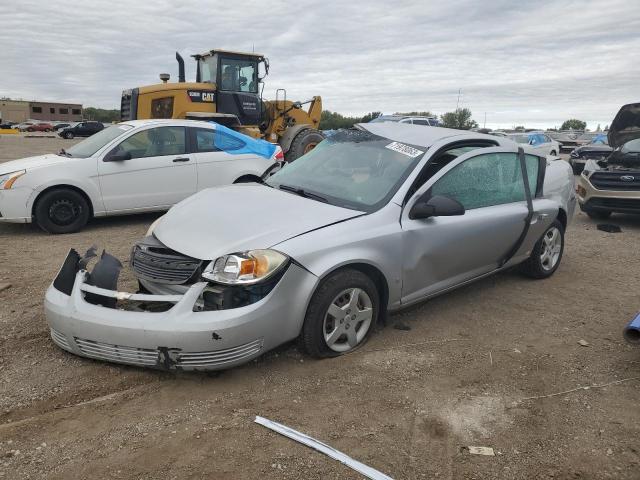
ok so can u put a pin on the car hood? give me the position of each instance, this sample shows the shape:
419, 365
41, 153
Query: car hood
31, 162
625, 126
235, 218
594, 148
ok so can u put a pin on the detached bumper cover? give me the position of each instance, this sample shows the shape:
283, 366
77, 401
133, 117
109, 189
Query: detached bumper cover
178, 338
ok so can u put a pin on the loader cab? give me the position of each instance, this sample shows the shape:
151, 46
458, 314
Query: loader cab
237, 77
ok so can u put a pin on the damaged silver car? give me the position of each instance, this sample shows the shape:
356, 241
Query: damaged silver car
372, 220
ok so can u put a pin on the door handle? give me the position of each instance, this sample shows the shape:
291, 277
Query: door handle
181, 159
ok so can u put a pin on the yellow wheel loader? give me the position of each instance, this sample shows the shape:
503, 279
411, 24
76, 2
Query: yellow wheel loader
228, 90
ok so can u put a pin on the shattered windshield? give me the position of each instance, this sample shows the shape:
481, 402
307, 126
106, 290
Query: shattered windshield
95, 142
353, 168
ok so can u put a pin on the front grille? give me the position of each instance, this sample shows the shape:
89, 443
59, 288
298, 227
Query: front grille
163, 265
218, 357
144, 357
613, 181
628, 205
118, 353
60, 339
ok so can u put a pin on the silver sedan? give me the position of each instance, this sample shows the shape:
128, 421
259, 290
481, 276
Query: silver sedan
372, 220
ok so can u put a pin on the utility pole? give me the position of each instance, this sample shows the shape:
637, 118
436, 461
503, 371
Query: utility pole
485, 120
458, 102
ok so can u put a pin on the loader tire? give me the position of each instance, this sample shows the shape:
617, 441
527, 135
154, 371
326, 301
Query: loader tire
305, 141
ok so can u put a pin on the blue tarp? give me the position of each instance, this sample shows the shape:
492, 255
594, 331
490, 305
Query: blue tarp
237, 143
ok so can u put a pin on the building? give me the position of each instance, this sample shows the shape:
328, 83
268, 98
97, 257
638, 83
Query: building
21, 111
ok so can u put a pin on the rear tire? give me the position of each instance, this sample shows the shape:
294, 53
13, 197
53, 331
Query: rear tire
61, 210
341, 315
305, 141
546, 254
553, 153
598, 215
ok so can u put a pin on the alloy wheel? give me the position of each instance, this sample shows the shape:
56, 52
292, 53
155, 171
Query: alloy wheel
551, 247
347, 320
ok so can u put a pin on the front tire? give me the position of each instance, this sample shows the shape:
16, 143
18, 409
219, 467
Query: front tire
68, 135
553, 153
547, 253
341, 315
61, 210
305, 141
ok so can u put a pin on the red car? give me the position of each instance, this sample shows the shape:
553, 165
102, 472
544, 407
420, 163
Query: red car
39, 127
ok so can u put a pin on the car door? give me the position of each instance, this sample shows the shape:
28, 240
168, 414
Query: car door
149, 170
215, 165
442, 252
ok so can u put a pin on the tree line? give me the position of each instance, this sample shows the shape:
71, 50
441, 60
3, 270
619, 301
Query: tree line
461, 119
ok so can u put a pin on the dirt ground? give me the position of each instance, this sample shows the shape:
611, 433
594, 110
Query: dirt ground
407, 403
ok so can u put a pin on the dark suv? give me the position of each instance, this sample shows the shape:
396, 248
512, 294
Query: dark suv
82, 129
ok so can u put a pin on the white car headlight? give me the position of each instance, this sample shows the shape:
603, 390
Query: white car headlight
7, 180
245, 268
153, 226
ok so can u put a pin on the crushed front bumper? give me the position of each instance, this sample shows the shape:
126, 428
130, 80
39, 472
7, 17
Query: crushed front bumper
179, 337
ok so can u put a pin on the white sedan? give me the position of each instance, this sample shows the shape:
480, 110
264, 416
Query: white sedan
137, 166
541, 143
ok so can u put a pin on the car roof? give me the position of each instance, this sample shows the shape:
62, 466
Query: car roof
418, 135
168, 122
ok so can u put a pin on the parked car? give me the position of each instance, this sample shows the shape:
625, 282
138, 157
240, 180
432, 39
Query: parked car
613, 185
540, 142
7, 125
372, 220
570, 139
23, 125
38, 127
82, 129
131, 167
598, 149
415, 120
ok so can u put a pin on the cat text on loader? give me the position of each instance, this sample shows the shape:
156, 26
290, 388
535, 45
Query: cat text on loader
228, 90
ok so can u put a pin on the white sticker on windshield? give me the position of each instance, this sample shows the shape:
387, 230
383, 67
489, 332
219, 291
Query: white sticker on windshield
404, 149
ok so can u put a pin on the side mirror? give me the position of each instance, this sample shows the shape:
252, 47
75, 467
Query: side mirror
436, 206
116, 155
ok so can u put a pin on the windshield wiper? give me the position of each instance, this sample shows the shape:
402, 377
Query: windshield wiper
62, 152
303, 193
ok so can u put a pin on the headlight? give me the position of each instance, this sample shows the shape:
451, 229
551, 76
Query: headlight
245, 268
153, 226
7, 180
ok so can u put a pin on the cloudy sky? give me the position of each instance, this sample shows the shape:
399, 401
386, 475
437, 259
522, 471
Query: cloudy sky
536, 64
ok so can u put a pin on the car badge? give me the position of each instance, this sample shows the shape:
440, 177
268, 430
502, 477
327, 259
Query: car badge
627, 178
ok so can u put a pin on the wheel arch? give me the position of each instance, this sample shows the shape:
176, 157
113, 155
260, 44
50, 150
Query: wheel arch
562, 218
374, 273
63, 186
249, 177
